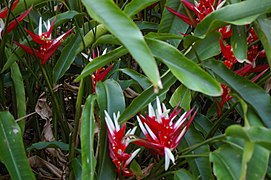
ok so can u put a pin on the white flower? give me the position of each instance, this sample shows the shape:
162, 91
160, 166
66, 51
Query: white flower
2, 26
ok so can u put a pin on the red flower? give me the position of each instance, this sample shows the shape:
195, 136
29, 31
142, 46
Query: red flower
201, 9
101, 73
48, 46
13, 24
162, 134
118, 142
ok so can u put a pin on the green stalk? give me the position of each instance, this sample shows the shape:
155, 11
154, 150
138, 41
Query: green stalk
63, 125
219, 122
211, 140
73, 142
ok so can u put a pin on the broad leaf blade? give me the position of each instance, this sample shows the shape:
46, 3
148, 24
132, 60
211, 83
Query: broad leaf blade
136, 6
87, 139
171, 23
146, 97
250, 92
121, 26
12, 148
227, 162
241, 13
263, 26
201, 166
187, 71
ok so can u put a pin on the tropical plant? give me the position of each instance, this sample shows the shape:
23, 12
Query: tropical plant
135, 89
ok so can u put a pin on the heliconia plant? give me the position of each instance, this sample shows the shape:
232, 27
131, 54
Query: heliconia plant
140, 89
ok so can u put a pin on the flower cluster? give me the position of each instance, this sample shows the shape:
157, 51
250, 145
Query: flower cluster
163, 134
100, 73
204, 8
201, 9
13, 24
118, 142
48, 46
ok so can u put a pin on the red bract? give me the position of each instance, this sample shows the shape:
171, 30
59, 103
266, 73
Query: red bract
4, 12
48, 46
162, 134
201, 9
13, 24
118, 142
101, 73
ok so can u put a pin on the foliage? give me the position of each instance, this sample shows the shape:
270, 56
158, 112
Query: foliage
74, 87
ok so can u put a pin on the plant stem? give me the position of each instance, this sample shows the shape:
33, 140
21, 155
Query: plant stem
73, 142
63, 124
191, 148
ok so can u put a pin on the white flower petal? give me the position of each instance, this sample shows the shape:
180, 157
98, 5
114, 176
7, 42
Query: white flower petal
132, 157
168, 156
180, 121
181, 134
109, 123
2, 26
141, 126
158, 110
165, 111
150, 132
116, 121
104, 52
40, 26
220, 5
151, 111
133, 130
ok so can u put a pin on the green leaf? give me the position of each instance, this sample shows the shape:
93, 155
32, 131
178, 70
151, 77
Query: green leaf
18, 84
121, 26
204, 125
12, 148
146, 97
181, 95
250, 92
51, 144
110, 97
263, 26
87, 139
257, 166
139, 78
135, 168
66, 58
183, 174
171, 23
226, 162
77, 167
201, 166
242, 13
239, 42
205, 48
135, 6
258, 135
187, 71
101, 61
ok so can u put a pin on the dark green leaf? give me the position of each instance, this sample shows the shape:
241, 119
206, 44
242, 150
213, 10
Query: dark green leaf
241, 13
250, 92
121, 26
187, 71
12, 148
87, 139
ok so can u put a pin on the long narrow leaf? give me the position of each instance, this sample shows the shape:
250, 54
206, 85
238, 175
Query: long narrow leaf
187, 71
120, 25
241, 13
249, 91
87, 139
20, 93
12, 148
